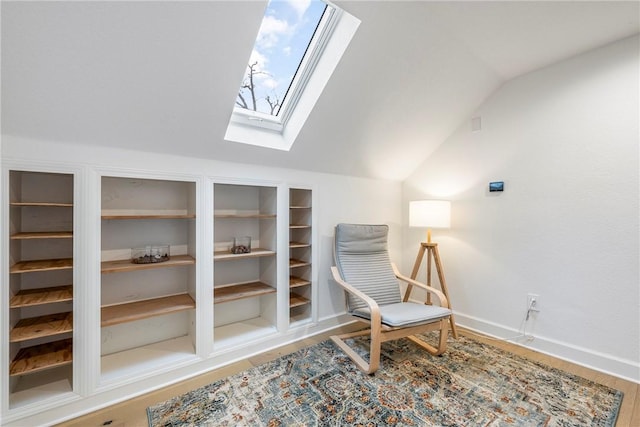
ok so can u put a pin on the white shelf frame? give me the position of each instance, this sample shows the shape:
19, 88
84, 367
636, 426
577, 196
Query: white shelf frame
103, 380
313, 319
30, 402
250, 328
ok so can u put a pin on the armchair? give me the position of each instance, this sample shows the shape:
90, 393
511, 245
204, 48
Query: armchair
371, 283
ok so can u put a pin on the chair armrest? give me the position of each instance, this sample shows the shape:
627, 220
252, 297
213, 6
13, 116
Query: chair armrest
441, 297
374, 309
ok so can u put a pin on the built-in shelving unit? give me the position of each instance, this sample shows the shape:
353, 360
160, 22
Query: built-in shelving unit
40, 304
245, 284
136, 320
300, 255
156, 299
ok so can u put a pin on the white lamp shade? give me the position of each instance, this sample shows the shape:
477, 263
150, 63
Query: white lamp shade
430, 213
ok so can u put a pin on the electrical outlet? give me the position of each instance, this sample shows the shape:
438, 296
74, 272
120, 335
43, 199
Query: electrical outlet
533, 302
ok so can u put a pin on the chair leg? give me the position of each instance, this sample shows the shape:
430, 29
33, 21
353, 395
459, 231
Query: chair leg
374, 350
442, 340
376, 341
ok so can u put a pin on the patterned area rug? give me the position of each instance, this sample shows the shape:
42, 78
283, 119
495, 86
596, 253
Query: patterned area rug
472, 384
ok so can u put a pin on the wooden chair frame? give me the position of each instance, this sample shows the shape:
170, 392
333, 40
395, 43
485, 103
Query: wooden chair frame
380, 333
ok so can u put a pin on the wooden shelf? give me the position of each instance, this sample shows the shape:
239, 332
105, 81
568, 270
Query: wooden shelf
255, 253
123, 265
137, 310
240, 291
30, 297
293, 263
41, 357
296, 300
43, 204
150, 216
299, 207
299, 226
42, 326
42, 265
295, 282
299, 245
241, 216
42, 235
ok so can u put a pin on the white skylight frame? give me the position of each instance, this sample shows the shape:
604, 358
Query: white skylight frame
329, 42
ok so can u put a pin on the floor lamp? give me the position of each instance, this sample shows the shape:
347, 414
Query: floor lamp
431, 214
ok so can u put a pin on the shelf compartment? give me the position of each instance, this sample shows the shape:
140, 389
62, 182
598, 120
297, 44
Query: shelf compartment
294, 263
137, 310
41, 357
255, 253
152, 358
42, 265
242, 332
296, 300
294, 245
149, 216
31, 297
43, 204
239, 291
42, 326
42, 235
123, 265
295, 282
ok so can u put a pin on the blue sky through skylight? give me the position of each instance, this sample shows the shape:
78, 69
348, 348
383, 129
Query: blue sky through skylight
285, 33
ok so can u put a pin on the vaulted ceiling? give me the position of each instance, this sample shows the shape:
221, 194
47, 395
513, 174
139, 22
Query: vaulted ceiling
163, 76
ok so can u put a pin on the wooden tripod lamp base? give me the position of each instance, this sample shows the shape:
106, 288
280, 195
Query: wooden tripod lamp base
431, 214
432, 254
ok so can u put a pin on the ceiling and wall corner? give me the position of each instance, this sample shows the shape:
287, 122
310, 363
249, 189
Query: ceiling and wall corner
162, 76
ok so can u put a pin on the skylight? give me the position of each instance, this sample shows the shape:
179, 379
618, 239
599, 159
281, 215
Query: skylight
284, 37
298, 46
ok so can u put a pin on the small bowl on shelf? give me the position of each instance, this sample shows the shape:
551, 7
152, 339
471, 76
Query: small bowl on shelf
150, 254
241, 245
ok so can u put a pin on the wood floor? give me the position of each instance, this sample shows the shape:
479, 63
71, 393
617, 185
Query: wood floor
133, 412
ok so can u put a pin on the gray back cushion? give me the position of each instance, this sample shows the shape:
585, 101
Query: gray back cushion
362, 259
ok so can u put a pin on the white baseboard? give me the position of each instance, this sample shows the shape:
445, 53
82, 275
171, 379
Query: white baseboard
606, 363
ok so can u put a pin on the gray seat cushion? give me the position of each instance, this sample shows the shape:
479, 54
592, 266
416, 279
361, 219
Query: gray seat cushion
405, 313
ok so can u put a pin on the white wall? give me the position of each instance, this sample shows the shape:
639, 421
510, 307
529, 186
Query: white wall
565, 141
